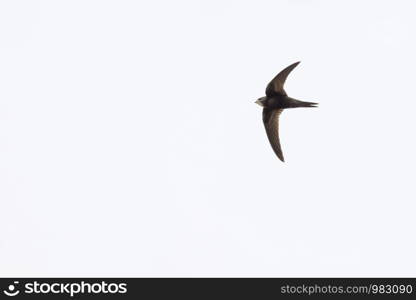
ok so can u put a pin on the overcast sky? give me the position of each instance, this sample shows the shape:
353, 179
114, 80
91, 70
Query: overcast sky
130, 144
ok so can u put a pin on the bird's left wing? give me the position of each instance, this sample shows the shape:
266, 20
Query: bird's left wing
276, 85
271, 123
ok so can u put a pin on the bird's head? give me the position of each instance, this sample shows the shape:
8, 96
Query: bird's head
261, 101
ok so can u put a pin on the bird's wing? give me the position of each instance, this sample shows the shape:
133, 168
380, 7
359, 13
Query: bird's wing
271, 123
276, 85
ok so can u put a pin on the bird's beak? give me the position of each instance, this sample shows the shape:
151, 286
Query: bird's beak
259, 103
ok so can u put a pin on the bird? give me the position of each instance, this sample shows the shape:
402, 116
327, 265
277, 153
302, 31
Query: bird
275, 101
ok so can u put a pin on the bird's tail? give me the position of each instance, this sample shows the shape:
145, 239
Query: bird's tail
297, 103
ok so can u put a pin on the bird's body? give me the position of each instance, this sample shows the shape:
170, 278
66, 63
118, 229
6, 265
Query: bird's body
282, 102
275, 101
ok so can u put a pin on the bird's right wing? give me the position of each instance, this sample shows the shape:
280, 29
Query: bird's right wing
271, 123
276, 85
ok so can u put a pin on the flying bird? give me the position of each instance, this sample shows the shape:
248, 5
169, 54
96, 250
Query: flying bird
275, 101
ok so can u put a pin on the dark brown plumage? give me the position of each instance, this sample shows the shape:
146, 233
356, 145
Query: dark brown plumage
275, 101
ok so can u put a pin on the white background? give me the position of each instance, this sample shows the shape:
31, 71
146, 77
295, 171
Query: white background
130, 144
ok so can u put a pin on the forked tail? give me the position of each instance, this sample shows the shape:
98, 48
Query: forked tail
297, 103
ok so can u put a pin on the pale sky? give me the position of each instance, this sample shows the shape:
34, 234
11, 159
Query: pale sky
130, 144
